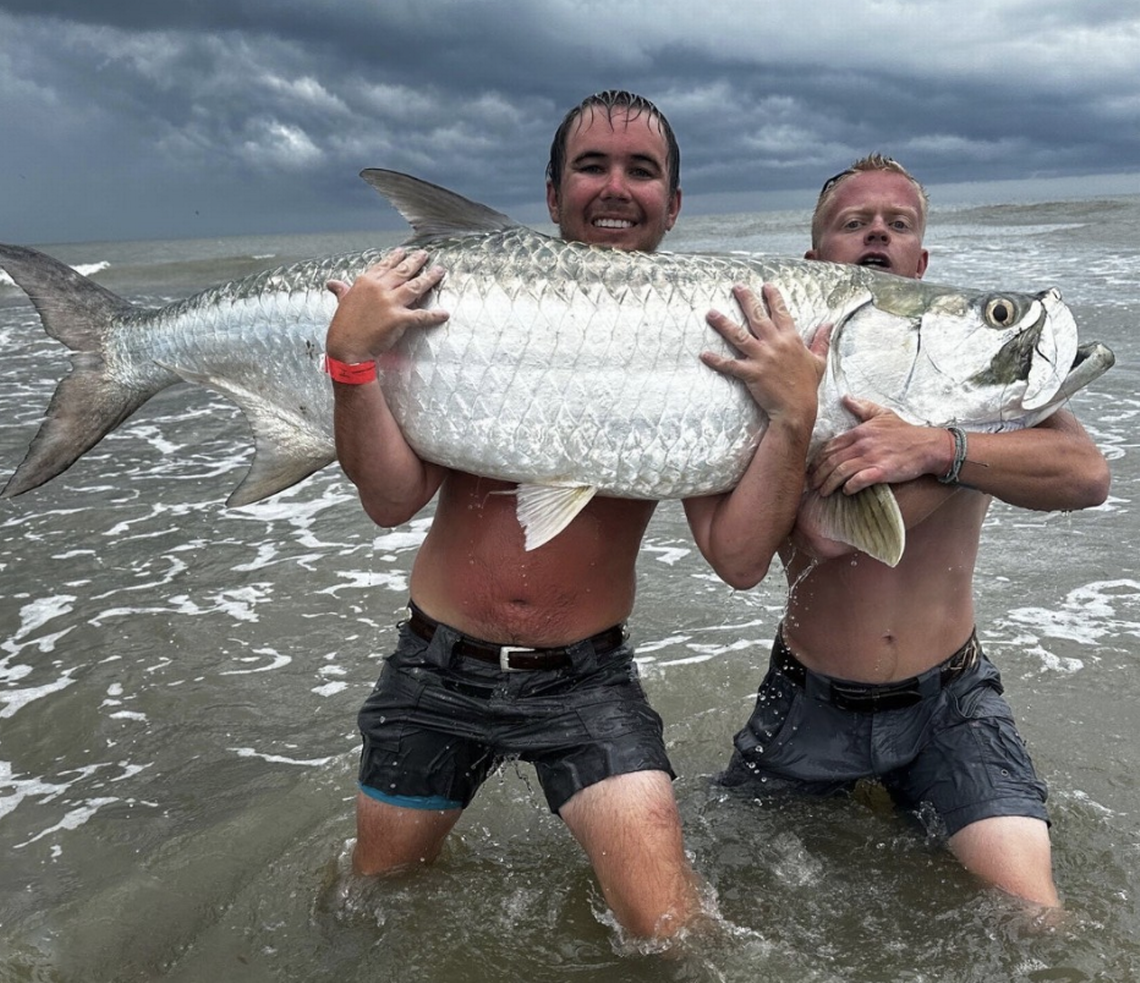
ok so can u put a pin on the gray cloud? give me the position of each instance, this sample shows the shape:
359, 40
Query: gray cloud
155, 119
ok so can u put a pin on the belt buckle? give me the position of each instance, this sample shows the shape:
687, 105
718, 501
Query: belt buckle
505, 652
970, 656
872, 699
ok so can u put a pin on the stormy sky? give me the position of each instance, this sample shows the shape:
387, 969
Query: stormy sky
135, 119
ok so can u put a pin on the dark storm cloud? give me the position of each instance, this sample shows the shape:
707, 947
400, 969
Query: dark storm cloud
201, 118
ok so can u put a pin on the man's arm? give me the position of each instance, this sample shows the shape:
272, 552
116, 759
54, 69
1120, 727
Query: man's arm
372, 314
738, 532
1053, 466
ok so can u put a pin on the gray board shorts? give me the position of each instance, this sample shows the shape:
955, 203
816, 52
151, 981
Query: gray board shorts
438, 723
945, 740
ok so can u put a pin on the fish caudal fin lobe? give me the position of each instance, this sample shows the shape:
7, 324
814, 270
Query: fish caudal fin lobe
90, 402
544, 511
288, 447
435, 212
869, 520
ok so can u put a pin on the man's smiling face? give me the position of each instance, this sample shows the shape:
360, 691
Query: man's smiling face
615, 187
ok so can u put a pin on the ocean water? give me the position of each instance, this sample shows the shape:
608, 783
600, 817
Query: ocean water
179, 683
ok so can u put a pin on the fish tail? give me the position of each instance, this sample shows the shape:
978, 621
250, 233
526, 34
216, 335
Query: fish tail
90, 402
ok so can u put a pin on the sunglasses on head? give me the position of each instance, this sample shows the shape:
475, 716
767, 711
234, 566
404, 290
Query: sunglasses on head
832, 181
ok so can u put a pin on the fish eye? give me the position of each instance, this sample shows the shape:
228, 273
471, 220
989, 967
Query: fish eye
1001, 312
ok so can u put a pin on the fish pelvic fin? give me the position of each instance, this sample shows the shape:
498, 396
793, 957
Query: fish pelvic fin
545, 510
288, 446
869, 520
434, 212
90, 402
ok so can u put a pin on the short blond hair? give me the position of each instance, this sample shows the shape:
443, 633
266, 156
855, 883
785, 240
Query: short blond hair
872, 162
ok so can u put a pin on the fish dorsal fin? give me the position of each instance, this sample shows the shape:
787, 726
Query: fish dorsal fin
545, 510
869, 520
435, 212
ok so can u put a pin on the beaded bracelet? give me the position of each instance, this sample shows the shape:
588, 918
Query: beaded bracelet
951, 476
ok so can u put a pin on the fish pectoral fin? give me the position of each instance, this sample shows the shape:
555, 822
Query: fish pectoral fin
869, 520
545, 510
288, 446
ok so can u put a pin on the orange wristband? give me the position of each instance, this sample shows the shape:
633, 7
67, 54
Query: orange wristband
350, 373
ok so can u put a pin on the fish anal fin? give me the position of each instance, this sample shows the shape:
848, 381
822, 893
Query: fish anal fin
545, 510
273, 470
288, 447
869, 520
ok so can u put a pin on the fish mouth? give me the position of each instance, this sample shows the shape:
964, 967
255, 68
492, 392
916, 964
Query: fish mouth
1054, 345
1091, 361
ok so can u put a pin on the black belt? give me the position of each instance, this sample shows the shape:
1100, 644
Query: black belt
511, 657
869, 697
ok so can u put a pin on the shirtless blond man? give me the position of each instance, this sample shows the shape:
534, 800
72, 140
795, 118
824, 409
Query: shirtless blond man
445, 712
883, 663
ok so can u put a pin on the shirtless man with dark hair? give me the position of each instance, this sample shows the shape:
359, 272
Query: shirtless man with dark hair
445, 712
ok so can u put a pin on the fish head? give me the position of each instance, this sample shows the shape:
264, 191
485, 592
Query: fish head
938, 356
1038, 352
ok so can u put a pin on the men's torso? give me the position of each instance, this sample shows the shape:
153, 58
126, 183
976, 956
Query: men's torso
473, 573
855, 618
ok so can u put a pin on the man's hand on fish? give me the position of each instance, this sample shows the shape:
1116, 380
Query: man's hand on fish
882, 449
381, 304
780, 371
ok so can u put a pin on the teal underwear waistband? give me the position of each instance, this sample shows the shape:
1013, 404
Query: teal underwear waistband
434, 802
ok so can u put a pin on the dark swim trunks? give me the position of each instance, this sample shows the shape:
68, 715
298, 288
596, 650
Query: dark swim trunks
441, 719
945, 739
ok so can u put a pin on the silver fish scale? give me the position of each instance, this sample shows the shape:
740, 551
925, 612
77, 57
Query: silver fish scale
563, 364
258, 340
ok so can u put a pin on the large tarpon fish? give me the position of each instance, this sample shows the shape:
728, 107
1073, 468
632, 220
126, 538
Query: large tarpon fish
569, 369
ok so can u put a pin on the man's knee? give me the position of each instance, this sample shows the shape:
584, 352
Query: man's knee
630, 828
